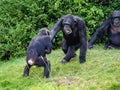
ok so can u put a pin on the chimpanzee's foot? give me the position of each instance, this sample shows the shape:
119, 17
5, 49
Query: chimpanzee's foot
82, 61
111, 46
90, 46
25, 75
46, 76
108, 47
64, 61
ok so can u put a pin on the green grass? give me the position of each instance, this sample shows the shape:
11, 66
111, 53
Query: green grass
100, 72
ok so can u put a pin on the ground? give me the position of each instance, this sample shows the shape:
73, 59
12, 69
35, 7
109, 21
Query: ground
100, 72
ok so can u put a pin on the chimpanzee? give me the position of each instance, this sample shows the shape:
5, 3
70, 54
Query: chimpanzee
74, 33
39, 46
111, 26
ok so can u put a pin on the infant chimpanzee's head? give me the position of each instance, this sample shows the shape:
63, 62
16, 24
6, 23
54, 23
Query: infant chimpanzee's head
44, 31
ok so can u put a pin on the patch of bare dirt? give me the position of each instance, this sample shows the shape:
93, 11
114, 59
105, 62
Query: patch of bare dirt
66, 81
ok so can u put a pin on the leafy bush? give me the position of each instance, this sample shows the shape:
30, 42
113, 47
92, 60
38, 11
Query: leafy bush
20, 20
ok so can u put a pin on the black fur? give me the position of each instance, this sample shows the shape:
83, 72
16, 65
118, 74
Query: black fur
74, 32
111, 26
39, 46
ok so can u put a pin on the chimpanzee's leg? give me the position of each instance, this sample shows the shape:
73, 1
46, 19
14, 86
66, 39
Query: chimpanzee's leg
70, 54
30, 58
44, 63
110, 45
26, 70
83, 50
114, 42
47, 69
64, 46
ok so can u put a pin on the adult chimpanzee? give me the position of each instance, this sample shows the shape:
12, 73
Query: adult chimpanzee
74, 32
39, 46
112, 27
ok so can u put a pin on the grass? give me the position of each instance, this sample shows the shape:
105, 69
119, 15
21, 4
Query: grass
100, 72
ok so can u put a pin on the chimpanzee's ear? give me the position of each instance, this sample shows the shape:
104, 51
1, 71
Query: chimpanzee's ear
48, 32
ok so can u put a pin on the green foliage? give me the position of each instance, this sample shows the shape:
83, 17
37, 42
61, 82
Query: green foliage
20, 20
100, 72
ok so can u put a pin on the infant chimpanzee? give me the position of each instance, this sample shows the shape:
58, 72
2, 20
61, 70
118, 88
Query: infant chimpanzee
39, 46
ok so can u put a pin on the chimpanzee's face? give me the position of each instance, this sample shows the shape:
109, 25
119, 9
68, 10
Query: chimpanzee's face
116, 21
116, 18
68, 24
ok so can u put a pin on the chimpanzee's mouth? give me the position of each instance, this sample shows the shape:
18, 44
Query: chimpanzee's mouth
68, 31
116, 24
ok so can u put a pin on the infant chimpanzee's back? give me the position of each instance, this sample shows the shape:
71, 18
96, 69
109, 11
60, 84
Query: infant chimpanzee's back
39, 46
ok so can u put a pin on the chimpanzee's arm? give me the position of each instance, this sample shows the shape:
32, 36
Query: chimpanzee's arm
99, 32
55, 29
83, 41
